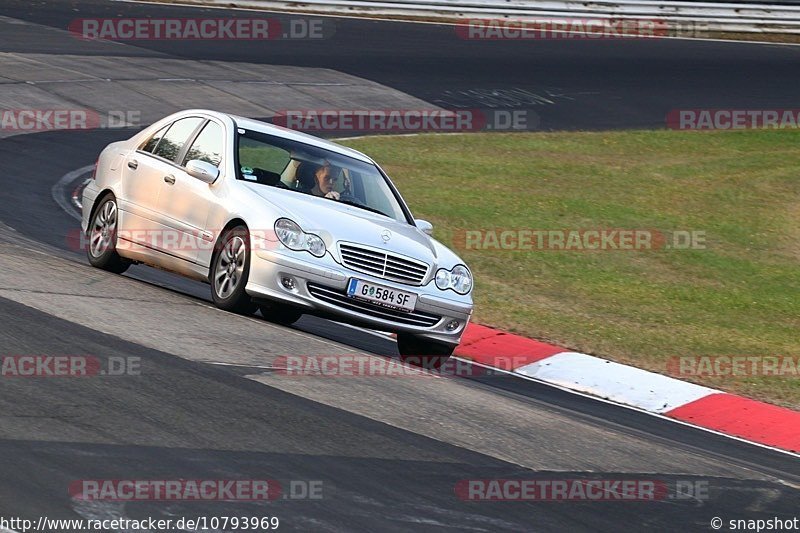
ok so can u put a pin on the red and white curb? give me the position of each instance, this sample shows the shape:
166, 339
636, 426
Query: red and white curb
729, 414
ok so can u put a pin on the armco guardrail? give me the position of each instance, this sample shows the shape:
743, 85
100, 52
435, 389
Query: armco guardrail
691, 17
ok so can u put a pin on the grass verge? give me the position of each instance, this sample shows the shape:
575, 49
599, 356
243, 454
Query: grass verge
739, 295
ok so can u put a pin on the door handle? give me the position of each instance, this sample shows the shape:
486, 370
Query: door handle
170, 179
133, 164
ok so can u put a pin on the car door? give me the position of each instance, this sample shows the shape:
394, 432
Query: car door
148, 170
140, 186
186, 201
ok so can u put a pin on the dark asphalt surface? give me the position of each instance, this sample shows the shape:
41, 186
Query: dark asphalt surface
590, 84
170, 422
181, 419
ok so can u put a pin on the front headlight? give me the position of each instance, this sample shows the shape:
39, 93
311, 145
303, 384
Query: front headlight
458, 278
289, 233
314, 245
293, 237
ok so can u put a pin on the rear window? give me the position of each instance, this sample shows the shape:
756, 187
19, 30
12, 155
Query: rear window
153, 141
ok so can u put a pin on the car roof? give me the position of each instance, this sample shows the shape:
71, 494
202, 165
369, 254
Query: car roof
286, 133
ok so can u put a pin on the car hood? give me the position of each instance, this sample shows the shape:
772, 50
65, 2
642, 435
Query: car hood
334, 221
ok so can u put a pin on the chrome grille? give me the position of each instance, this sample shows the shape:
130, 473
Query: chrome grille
340, 299
383, 265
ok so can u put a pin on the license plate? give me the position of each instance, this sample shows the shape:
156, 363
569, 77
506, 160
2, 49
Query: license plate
381, 295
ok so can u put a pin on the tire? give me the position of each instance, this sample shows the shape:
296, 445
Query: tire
285, 315
423, 353
230, 270
102, 234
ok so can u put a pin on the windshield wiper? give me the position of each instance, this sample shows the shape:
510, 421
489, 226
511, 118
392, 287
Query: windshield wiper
363, 206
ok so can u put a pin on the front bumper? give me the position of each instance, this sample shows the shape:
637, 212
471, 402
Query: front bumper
319, 288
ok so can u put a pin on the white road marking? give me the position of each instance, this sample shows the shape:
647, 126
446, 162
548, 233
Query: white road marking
77, 193
60, 194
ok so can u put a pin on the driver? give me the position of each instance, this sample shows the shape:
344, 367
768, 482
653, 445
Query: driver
324, 182
310, 178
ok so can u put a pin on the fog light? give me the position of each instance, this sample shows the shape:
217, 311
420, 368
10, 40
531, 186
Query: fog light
452, 325
288, 283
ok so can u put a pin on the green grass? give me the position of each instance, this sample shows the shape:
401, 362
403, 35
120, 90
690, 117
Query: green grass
738, 296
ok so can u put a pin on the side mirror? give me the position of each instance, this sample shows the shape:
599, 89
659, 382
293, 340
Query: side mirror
205, 172
425, 226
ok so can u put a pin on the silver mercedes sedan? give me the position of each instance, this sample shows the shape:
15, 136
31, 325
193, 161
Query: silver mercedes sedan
277, 221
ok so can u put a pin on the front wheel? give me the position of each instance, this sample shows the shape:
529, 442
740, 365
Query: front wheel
230, 270
422, 352
102, 234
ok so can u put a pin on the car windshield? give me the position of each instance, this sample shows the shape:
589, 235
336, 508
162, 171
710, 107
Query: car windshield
278, 162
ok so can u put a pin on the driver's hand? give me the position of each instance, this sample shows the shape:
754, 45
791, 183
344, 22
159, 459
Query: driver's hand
333, 195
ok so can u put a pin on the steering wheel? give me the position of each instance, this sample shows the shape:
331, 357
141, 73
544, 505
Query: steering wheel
347, 197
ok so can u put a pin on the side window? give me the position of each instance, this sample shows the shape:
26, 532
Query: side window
152, 142
177, 135
208, 146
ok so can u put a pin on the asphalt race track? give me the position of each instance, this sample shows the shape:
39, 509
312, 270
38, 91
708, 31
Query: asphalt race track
577, 84
387, 453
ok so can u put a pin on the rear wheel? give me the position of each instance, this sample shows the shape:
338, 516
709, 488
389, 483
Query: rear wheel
422, 352
279, 313
102, 232
230, 270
